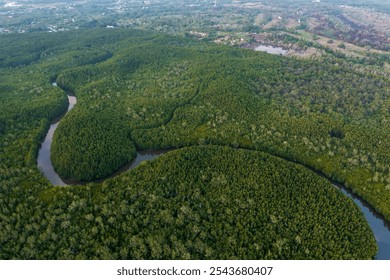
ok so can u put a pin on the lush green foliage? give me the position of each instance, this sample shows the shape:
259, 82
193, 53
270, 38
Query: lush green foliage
101, 145
197, 203
136, 89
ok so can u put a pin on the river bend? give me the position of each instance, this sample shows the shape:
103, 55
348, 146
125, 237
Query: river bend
379, 226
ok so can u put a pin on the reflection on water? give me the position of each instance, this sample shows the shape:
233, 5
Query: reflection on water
379, 226
43, 161
142, 156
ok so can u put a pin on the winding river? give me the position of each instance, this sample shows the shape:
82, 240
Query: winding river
44, 162
46, 167
379, 226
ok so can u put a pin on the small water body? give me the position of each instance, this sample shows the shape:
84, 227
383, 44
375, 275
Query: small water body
379, 226
271, 49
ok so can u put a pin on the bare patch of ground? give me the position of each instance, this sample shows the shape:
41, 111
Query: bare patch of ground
259, 19
376, 20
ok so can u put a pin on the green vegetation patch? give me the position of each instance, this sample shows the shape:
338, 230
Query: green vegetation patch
205, 202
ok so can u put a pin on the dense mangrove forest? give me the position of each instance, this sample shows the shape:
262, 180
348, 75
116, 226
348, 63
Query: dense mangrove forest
245, 127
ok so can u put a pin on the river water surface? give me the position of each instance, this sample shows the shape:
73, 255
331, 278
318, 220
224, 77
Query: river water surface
43, 161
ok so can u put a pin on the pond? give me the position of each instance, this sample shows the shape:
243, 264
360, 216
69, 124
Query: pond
271, 49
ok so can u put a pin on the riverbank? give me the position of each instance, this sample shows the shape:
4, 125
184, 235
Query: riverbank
377, 223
